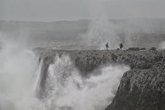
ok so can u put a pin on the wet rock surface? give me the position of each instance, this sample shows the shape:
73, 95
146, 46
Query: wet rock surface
141, 88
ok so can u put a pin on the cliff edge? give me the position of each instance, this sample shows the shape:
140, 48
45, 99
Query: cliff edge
141, 88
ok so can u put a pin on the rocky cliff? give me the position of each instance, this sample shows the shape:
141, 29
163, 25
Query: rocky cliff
141, 88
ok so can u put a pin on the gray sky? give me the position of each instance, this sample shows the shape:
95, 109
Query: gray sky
51, 10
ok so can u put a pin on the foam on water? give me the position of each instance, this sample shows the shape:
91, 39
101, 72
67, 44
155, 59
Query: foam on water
65, 88
68, 90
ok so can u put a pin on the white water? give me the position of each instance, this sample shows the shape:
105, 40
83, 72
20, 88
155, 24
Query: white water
17, 68
65, 88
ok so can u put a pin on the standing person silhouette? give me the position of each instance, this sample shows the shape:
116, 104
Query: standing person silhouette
121, 45
107, 46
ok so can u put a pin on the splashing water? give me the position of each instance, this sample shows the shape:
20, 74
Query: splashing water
65, 88
17, 66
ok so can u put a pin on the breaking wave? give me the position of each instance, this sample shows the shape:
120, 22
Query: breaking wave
22, 81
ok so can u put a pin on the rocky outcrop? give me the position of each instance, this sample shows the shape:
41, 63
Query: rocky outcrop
141, 88
87, 60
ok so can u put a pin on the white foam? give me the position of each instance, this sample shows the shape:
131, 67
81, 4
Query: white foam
70, 91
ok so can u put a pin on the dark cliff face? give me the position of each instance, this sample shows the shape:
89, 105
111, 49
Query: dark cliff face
141, 88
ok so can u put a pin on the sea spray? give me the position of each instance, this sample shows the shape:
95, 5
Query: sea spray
37, 78
66, 89
100, 30
17, 65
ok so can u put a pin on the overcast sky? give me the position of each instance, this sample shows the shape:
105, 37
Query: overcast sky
52, 10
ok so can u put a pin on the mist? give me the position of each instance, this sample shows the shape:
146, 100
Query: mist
18, 66
88, 24
29, 81
131, 32
65, 87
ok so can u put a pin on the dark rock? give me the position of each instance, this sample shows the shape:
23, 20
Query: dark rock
141, 88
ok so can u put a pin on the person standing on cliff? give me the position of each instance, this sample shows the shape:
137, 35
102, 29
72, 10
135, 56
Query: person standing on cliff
107, 46
121, 46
